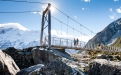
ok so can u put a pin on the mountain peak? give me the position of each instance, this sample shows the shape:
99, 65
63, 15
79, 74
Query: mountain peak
13, 25
109, 34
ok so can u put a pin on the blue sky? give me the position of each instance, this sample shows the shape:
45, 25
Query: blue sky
93, 14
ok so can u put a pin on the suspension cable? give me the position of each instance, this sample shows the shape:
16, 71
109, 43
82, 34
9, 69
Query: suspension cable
23, 1
67, 25
73, 33
61, 28
80, 29
21, 12
71, 18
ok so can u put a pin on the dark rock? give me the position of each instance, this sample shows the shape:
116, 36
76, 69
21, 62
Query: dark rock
23, 58
98, 68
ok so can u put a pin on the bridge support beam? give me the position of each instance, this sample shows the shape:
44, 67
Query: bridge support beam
48, 19
49, 28
42, 29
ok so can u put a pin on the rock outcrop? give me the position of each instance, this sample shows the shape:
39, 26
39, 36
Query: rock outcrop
104, 67
33, 70
7, 65
42, 56
23, 58
55, 67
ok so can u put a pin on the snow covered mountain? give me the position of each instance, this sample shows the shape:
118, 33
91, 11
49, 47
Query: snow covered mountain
15, 35
109, 34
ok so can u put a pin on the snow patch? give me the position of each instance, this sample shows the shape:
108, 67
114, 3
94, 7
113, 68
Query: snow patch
13, 25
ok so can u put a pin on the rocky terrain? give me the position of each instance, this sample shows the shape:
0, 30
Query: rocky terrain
39, 61
117, 43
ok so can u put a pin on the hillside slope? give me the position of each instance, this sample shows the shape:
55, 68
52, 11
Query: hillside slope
109, 34
117, 43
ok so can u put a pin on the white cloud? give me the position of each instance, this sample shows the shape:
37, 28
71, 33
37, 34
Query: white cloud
86, 0
62, 34
37, 13
75, 16
112, 16
110, 9
43, 7
82, 8
84, 38
118, 10
85, 9
116, 0
40, 13
34, 12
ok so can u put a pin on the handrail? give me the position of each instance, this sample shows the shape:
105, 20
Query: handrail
67, 43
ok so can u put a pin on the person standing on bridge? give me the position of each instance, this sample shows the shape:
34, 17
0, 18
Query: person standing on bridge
77, 41
74, 42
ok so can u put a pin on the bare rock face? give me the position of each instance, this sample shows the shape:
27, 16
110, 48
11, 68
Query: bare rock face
33, 70
55, 67
104, 67
55, 62
42, 56
39, 56
23, 58
7, 65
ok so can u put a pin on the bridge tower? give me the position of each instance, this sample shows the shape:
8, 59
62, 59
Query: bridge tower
46, 17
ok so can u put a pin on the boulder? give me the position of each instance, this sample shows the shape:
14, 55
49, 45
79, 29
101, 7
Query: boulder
40, 56
43, 56
7, 65
33, 70
57, 67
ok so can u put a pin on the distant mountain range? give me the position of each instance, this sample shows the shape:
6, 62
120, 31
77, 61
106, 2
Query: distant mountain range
15, 35
108, 35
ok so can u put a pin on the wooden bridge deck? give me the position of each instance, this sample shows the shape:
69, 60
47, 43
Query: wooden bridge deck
79, 48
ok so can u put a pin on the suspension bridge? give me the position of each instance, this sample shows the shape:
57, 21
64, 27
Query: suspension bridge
61, 43
50, 42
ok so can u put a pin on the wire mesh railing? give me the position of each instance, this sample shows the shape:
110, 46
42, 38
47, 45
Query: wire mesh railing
67, 43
